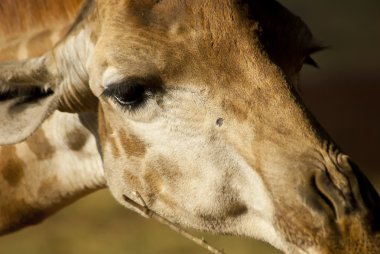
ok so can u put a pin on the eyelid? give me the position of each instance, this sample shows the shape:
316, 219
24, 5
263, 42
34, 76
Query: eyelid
113, 89
152, 84
111, 76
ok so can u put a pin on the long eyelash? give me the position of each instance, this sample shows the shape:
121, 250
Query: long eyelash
24, 94
151, 84
154, 83
119, 89
132, 108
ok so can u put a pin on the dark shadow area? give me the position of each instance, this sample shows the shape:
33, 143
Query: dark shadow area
344, 94
351, 115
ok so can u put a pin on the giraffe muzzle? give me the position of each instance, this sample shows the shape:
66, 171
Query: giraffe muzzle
346, 190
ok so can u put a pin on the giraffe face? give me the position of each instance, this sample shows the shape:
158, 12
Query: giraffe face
197, 114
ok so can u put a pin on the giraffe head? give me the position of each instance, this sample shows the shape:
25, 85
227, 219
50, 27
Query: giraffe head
197, 112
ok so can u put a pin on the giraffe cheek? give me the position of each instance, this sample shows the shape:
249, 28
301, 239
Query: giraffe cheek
133, 181
131, 144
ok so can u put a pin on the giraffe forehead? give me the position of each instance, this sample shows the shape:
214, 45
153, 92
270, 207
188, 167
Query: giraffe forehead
146, 24
233, 29
189, 58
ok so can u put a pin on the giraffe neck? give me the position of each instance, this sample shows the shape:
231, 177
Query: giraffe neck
20, 18
56, 165
28, 29
32, 45
60, 162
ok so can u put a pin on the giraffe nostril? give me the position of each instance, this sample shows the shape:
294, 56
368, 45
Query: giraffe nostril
341, 202
323, 187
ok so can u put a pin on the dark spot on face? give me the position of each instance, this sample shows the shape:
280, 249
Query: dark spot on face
237, 209
114, 148
154, 183
131, 144
220, 122
133, 181
104, 130
11, 167
102, 127
169, 170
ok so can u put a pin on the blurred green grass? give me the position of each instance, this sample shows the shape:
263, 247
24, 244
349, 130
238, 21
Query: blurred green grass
97, 224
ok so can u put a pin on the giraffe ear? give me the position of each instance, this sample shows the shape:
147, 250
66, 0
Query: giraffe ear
26, 98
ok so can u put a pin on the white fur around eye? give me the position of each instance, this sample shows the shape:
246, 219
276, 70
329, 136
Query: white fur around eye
145, 113
111, 76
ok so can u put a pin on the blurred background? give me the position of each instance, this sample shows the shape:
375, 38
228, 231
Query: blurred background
344, 95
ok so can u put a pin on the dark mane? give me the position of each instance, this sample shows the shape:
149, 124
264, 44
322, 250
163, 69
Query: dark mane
20, 16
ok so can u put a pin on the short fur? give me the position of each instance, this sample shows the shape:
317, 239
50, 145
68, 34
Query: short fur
269, 172
20, 16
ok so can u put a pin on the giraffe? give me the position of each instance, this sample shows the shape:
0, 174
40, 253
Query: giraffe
33, 182
192, 105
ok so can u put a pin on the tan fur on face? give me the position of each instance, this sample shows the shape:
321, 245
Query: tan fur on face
242, 171
131, 144
266, 171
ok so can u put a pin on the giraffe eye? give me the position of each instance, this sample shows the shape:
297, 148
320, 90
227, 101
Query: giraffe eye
133, 92
130, 96
127, 95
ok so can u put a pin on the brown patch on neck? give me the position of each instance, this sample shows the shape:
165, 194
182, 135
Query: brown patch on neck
132, 145
47, 186
18, 16
40, 146
11, 167
76, 139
